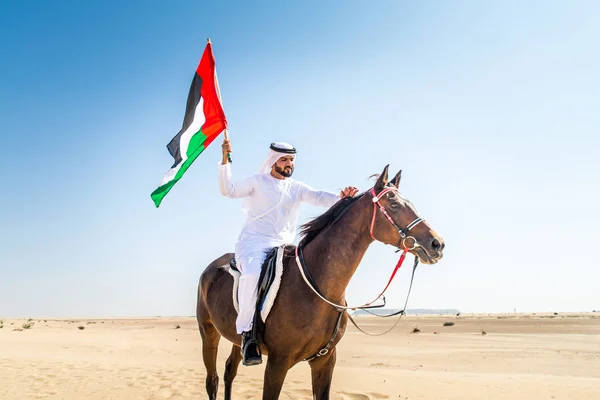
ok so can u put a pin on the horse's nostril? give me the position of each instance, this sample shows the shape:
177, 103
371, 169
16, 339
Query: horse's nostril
436, 245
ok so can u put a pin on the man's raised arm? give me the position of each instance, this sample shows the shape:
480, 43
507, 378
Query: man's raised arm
227, 187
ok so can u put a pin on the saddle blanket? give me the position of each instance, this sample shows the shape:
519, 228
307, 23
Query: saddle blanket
271, 294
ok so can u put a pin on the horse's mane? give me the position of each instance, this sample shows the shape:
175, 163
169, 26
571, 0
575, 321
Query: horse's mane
312, 228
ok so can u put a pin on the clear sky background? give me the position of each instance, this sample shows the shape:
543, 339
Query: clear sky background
492, 110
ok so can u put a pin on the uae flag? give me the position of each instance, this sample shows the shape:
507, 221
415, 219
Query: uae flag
204, 120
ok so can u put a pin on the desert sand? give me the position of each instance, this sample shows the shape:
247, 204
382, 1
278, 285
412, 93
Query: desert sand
480, 357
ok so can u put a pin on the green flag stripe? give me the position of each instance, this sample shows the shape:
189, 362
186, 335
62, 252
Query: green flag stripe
195, 147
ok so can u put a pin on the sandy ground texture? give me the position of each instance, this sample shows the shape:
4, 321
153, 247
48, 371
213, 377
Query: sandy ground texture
480, 357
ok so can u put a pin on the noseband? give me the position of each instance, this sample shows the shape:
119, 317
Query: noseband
402, 231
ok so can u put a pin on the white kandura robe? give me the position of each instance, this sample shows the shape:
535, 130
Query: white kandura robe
271, 207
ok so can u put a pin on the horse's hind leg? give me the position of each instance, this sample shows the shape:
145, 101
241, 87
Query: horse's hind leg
210, 345
231, 368
322, 372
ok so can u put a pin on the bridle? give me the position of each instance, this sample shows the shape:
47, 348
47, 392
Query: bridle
402, 231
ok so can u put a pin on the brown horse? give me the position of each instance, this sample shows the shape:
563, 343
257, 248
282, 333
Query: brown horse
300, 323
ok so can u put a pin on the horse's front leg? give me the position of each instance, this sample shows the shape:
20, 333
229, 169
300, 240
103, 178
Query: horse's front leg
275, 373
322, 371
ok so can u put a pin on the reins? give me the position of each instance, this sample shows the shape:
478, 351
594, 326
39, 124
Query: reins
311, 283
399, 313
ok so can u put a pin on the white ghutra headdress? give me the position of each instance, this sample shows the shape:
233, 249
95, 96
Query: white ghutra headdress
276, 151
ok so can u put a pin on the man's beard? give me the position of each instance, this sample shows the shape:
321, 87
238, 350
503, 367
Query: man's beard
286, 171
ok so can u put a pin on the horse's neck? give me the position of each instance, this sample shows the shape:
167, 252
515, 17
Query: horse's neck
334, 255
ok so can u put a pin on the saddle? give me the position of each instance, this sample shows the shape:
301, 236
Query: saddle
268, 286
266, 278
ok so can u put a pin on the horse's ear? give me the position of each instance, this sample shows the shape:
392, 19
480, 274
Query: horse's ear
396, 179
383, 179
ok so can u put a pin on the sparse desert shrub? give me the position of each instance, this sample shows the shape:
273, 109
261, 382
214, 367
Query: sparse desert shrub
415, 330
81, 328
177, 326
448, 323
483, 333
28, 325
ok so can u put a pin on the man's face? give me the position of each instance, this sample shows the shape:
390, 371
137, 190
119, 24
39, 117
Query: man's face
285, 166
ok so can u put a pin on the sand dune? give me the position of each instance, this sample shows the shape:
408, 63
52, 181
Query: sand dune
523, 357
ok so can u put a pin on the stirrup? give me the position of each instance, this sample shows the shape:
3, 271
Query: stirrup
251, 359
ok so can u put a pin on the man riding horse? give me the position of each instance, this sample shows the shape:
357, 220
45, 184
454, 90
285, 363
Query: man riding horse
271, 205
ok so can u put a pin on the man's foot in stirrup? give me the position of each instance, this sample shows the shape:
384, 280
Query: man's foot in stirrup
250, 350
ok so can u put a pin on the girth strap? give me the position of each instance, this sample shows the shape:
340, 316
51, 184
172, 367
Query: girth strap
325, 349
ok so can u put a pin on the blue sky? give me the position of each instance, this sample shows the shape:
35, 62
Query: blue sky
490, 109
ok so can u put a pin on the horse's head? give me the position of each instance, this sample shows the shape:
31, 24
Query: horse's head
395, 221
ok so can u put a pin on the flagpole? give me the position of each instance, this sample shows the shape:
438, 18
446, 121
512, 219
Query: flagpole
225, 132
